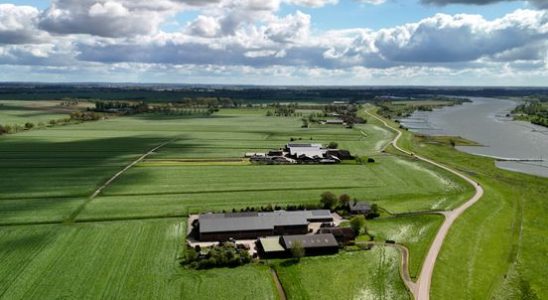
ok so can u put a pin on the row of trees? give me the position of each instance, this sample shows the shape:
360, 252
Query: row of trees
330, 201
282, 110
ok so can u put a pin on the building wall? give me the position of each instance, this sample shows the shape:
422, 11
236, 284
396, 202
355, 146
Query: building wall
284, 230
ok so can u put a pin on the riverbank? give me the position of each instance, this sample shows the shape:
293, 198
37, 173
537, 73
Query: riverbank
520, 146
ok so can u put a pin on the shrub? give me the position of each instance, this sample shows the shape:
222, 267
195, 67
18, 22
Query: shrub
29, 125
328, 200
333, 145
357, 223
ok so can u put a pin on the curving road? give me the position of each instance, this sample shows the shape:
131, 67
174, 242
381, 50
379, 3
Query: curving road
422, 288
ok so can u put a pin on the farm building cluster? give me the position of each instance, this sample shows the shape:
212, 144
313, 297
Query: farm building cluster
273, 234
301, 153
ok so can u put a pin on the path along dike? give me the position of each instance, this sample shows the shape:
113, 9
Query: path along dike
421, 290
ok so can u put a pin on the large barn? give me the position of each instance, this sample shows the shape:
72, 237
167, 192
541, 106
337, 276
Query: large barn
251, 225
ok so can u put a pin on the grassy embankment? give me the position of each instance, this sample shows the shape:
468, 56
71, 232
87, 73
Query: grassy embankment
497, 248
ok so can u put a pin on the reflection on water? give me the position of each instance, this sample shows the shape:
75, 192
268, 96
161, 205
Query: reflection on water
485, 121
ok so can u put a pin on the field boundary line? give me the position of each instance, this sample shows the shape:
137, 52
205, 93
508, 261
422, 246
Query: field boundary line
424, 281
278, 283
74, 214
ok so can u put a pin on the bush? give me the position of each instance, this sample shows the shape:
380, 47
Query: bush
222, 255
328, 200
333, 145
370, 160
344, 200
357, 223
29, 125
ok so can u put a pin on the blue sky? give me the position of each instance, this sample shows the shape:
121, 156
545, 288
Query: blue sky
344, 42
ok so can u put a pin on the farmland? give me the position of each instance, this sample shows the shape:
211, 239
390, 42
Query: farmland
125, 260
362, 275
136, 224
414, 232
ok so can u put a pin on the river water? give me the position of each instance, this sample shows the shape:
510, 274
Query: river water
484, 121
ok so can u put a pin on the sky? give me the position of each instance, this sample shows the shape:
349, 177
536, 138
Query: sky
276, 42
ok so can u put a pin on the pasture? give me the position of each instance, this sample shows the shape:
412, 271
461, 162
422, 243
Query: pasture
415, 232
14, 112
121, 260
351, 275
48, 175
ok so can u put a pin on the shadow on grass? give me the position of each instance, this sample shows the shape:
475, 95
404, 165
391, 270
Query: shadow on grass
289, 262
64, 173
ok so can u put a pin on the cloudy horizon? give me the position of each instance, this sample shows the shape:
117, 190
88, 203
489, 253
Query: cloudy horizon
276, 42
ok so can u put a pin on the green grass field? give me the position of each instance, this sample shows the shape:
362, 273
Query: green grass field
48, 174
414, 232
121, 260
351, 275
14, 112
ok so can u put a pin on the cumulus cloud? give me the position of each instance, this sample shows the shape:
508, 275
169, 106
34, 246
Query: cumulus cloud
116, 18
289, 29
252, 36
445, 38
18, 25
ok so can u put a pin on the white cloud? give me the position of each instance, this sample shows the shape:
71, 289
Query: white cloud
252, 36
311, 3
116, 18
18, 25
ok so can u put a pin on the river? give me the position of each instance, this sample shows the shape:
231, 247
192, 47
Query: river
484, 121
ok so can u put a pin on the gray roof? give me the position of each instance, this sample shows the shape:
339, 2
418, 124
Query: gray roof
360, 206
310, 150
251, 221
310, 241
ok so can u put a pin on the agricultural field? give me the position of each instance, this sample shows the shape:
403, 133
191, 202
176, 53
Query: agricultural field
121, 260
395, 184
132, 233
351, 275
13, 112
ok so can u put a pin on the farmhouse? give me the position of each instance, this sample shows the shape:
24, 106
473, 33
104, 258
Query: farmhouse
360, 208
305, 150
294, 153
313, 244
250, 225
333, 122
317, 244
343, 235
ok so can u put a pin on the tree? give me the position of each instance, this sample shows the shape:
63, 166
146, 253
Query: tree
305, 123
191, 255
357, 223
328, 200
332, 145
344, 200
297, 250
374, 212
29, 125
